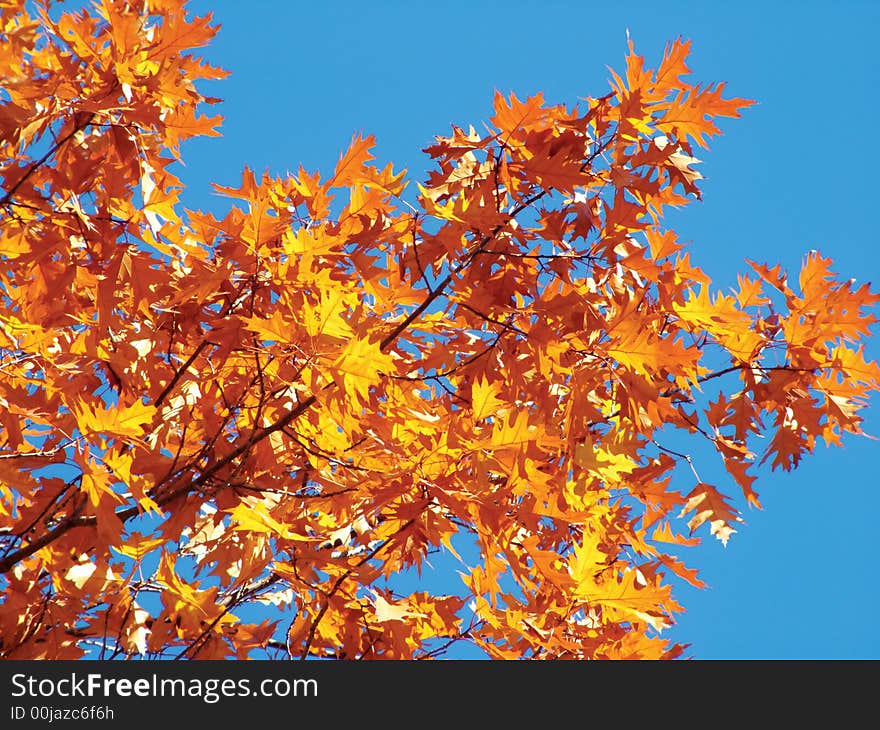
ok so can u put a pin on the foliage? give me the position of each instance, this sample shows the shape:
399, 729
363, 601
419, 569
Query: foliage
302, 401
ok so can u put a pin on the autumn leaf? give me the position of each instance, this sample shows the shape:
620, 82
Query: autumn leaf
359, 366
709, 505
484, 401
256, 518
393, 611
121, 422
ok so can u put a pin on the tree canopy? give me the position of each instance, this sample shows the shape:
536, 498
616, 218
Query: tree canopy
294, 404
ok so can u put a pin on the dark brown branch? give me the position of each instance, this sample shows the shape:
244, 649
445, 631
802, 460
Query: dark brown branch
338, 583
42, 161
435, 293
491, 320
179, 373
233, 600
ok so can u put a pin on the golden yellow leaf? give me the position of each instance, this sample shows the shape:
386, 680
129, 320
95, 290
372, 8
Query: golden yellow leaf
483, 399
115, 421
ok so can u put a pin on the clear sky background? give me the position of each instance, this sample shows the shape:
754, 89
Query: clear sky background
800, 578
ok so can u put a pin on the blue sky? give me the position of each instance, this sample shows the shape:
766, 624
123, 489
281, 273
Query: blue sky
799, 579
